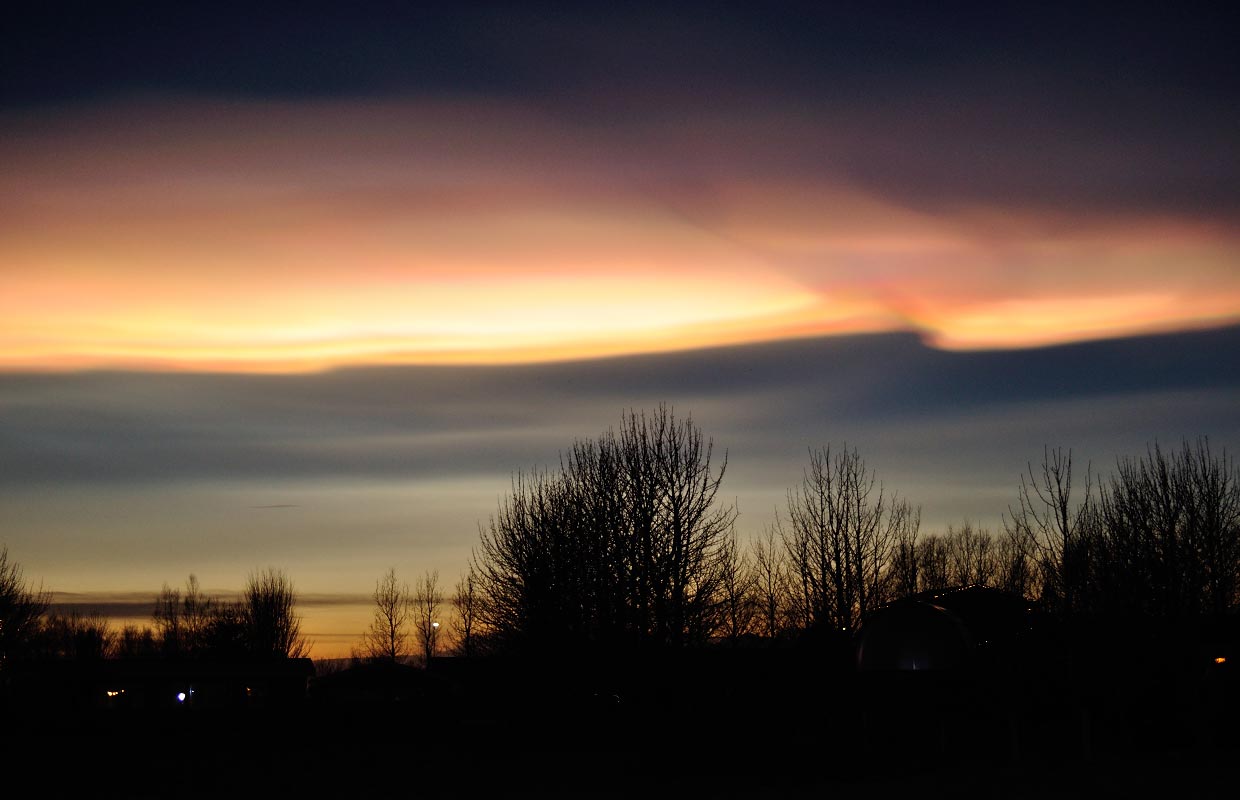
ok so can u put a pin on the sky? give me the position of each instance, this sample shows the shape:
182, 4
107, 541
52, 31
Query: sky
303, 285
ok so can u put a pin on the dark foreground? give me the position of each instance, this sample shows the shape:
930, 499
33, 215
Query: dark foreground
758, 728
258, 755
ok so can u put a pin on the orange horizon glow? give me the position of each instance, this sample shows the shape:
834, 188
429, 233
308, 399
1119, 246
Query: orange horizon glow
277, 239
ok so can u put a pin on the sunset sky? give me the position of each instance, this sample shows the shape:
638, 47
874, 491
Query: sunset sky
304, 285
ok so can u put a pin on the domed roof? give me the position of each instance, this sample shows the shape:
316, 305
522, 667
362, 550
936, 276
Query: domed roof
914, 635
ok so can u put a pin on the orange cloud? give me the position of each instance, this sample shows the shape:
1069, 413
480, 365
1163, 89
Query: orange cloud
236, 237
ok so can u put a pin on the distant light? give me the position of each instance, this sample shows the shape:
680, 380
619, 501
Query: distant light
113, 692
1220, 660
435, 625
180, 697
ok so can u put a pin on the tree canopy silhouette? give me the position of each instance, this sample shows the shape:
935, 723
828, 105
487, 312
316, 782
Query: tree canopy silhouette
624, 544
21, 610
1159, 538
842, 530
387, 639
270, 625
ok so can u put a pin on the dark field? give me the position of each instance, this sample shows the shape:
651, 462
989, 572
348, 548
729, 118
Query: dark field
755, 727
356, 755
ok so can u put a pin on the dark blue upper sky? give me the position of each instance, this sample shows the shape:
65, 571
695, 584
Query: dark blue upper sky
977, 99
1131, 53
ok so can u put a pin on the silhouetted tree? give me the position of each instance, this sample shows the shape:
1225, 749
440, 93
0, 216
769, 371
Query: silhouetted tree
426, 603
738, 605
388, 636
467, 601
1016, 572
135, 642
963, 556
1170, 534
1213, 486
620, 545
228, 631
197, 611
74, 636
182, 622
1060, 528
166, 619
842, 526
21, 610
970, 555
770, 582
933, 564
905, 572
270, 625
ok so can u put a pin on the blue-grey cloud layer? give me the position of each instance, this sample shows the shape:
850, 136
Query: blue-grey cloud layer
107, 428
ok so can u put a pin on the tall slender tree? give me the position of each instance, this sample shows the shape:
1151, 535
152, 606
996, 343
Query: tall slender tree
842, 528
467, 602
770, 577
1059, 525
426, 602
387, 639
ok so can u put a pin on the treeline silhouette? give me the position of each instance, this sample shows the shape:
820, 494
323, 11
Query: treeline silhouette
627, 546
611, 602
262, 624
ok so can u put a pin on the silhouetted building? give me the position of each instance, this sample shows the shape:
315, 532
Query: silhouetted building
951, 629
914, 636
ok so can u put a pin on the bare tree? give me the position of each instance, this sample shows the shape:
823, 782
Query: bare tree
21, 609
933, 564
971, 555
387, 639
427, 600
620, 546
842, 528
1059, 527
166, 619
197, 612
74, 636
905, 571
135, 642
182, 622
467, 601
691, 528
228, 633
1016, 570
1213, 486
770, 584
270, 625
1170, 533
738, 607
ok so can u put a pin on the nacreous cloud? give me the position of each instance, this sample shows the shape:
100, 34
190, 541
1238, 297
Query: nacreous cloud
179, 234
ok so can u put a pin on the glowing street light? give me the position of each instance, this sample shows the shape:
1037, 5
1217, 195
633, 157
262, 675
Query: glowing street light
430, 643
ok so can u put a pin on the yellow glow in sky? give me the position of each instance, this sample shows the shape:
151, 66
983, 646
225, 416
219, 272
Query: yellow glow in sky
259, 239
